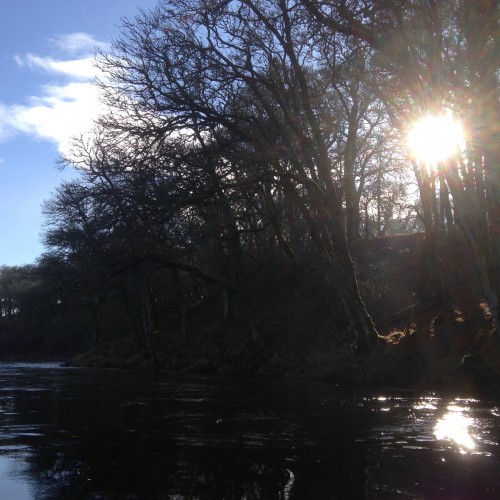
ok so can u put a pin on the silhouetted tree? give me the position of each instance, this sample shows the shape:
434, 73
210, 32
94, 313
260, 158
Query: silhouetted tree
241, 72
431, 57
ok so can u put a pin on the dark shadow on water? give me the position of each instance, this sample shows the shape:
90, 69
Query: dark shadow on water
109, 435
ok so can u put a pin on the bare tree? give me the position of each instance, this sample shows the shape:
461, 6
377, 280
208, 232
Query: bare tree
434, 56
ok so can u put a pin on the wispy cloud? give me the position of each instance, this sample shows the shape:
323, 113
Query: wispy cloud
77, 43
82, 68
67, 106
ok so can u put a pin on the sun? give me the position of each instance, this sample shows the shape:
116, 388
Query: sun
433, 139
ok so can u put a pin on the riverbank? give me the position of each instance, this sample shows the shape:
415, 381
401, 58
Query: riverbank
285, 324
292, 331
419, 360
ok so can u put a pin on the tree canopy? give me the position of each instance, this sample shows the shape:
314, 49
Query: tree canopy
246, 133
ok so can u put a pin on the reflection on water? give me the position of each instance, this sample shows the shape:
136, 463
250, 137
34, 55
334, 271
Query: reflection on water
13, 484
104, 434
288, 487
456, 426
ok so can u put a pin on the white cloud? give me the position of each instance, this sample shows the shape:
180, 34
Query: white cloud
63, 112
66, 107
4, 120
77, 43
82, 68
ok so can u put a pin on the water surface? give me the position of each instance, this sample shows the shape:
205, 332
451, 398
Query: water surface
103, 434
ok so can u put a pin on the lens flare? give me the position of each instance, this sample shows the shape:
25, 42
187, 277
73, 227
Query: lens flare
433, 139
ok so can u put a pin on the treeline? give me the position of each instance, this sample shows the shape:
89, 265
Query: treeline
254, 136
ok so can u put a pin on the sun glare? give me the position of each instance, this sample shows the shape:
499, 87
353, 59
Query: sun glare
433, 139
455, 426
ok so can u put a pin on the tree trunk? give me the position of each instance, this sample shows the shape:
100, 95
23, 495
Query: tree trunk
136, 331
96, 331
445, 215
328, 235
379, 204
147, 321
180, 300
474, 235
349, 185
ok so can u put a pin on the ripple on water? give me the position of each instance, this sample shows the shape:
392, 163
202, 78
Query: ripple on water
6, 448
387, 441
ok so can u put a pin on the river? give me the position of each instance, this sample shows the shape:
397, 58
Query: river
103, 434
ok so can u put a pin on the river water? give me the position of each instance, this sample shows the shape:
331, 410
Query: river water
103, 434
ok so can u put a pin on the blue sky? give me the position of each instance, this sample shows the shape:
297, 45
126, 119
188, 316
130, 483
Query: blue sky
46, 95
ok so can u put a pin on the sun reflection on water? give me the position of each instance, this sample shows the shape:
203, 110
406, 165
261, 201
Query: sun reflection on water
460, 425
426, 403
455, 426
